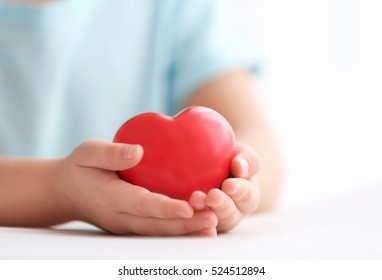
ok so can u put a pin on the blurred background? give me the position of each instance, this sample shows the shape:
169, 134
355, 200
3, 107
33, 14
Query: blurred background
322, 86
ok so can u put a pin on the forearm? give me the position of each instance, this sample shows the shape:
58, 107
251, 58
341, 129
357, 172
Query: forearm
26, 193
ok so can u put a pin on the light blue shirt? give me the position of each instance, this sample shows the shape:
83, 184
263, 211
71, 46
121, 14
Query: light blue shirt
77, 69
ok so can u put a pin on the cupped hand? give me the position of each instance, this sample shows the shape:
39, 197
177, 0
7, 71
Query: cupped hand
238, 197
89, 189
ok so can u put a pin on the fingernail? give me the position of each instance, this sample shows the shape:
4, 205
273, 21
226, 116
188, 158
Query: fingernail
130, 151
244, 165
233, 190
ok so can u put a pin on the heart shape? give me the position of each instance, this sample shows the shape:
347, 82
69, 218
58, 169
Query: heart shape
181, 154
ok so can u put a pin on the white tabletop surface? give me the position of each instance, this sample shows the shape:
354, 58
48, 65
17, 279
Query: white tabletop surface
345, 228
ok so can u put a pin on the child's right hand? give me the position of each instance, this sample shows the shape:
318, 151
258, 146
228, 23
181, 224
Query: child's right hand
87, 188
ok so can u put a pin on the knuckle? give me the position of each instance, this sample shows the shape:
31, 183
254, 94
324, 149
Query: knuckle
82, 152
255, 166
252, 156
228, 217
85, 144
109, 154
245, 198
248, 201
166, 209
226, 227
140, 209
151, 229
228, 222
187, 226
80, 149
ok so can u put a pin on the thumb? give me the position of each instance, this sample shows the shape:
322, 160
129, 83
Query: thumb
107, 155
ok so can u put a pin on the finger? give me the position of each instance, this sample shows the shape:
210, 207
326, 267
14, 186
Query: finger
244, 193
139, 201
245, 163
107, 155
198, 200
224, 208
209, 232
166, 227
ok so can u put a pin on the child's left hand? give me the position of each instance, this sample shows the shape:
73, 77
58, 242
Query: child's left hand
238, 197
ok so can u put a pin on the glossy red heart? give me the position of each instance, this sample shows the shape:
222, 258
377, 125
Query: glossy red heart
190, 151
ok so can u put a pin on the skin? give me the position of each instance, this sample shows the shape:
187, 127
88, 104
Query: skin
84, 185
252, 188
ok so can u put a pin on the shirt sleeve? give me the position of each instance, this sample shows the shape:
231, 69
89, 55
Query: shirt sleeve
210, 40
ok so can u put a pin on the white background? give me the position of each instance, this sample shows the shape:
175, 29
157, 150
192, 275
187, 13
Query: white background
322, 86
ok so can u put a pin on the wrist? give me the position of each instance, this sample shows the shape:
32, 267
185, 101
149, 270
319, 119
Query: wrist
27, 194
56, 187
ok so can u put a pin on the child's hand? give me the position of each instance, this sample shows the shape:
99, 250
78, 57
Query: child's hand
88, 189
238, 197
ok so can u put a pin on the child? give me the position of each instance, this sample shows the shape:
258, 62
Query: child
73, 70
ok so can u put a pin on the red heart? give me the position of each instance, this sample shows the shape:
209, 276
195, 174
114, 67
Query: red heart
190, 151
